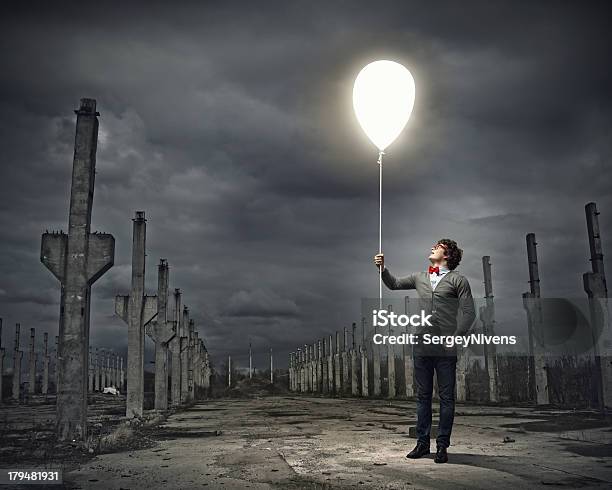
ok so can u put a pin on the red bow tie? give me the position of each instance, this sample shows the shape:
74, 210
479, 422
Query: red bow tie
434, 269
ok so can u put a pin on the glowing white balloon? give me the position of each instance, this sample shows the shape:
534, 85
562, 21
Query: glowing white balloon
383, 97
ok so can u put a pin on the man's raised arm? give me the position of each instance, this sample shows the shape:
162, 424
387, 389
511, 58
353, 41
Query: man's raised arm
408, 282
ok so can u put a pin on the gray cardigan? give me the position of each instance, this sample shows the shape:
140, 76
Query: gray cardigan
451, 296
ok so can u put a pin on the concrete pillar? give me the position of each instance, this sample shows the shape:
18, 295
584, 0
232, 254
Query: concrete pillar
354, 365
271, 367
109, 381
337, 371
229, 371
461, 376
175, 351
45, 376
463, 360
330, 367
90, 373
56, 374
376, 387
408, 360
17, 356
365, 387
190, 364
207, 373
250, 361
96, 371
306, 368
597, 292
197, 368
121, 376
185, 356
136, 310
314, 366
538, 375
291, 372
32, 363
390, 365
1, 361
161, 331
363, 348
77, 260
319, 367
346, 375
487, 317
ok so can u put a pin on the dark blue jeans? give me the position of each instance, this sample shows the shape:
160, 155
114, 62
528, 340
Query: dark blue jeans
445, 367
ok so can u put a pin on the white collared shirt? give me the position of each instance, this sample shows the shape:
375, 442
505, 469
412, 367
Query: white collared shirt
436, 278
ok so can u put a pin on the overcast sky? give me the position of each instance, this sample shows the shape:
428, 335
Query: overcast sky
231, 125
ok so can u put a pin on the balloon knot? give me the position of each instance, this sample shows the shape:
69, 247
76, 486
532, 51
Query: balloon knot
380, 155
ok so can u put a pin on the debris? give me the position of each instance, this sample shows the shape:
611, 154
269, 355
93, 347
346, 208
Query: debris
508, 439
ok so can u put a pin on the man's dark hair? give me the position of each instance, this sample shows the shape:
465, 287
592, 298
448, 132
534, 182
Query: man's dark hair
453, 252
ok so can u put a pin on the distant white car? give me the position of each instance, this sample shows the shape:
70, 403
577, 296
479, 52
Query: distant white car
111, 390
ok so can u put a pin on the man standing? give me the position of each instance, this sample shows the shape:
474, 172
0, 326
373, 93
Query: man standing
445, 294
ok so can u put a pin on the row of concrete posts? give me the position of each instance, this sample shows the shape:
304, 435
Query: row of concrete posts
78, 259
102, 373
179, 351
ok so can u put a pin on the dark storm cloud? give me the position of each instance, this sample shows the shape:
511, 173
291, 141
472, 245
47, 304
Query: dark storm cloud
231, 125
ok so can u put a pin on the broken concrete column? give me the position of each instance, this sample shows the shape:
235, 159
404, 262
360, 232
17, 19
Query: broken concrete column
77, 260
463, 361
461, 376
346, 376
136, 310
121, 376
354, 368
207, 373
96, 361
313, 364
45, 376
538, 375
330, 367
185, 339
32, 363
116, 371
597, 292
408, 360
271, 367
1, 361
250, 361
17, 356
90, 373
290, 371
175, 350
162, 331
306, 364
190, 363
337, 364
376, 387
229, 371
390, 365
487, 317
56, 375
319, 368
109, 379
197, 367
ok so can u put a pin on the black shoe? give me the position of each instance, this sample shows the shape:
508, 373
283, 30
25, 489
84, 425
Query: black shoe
441, 455
419, 451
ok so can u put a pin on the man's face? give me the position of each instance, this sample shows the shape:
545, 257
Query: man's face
438, 252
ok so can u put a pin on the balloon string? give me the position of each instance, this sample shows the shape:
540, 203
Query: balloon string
380, 269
